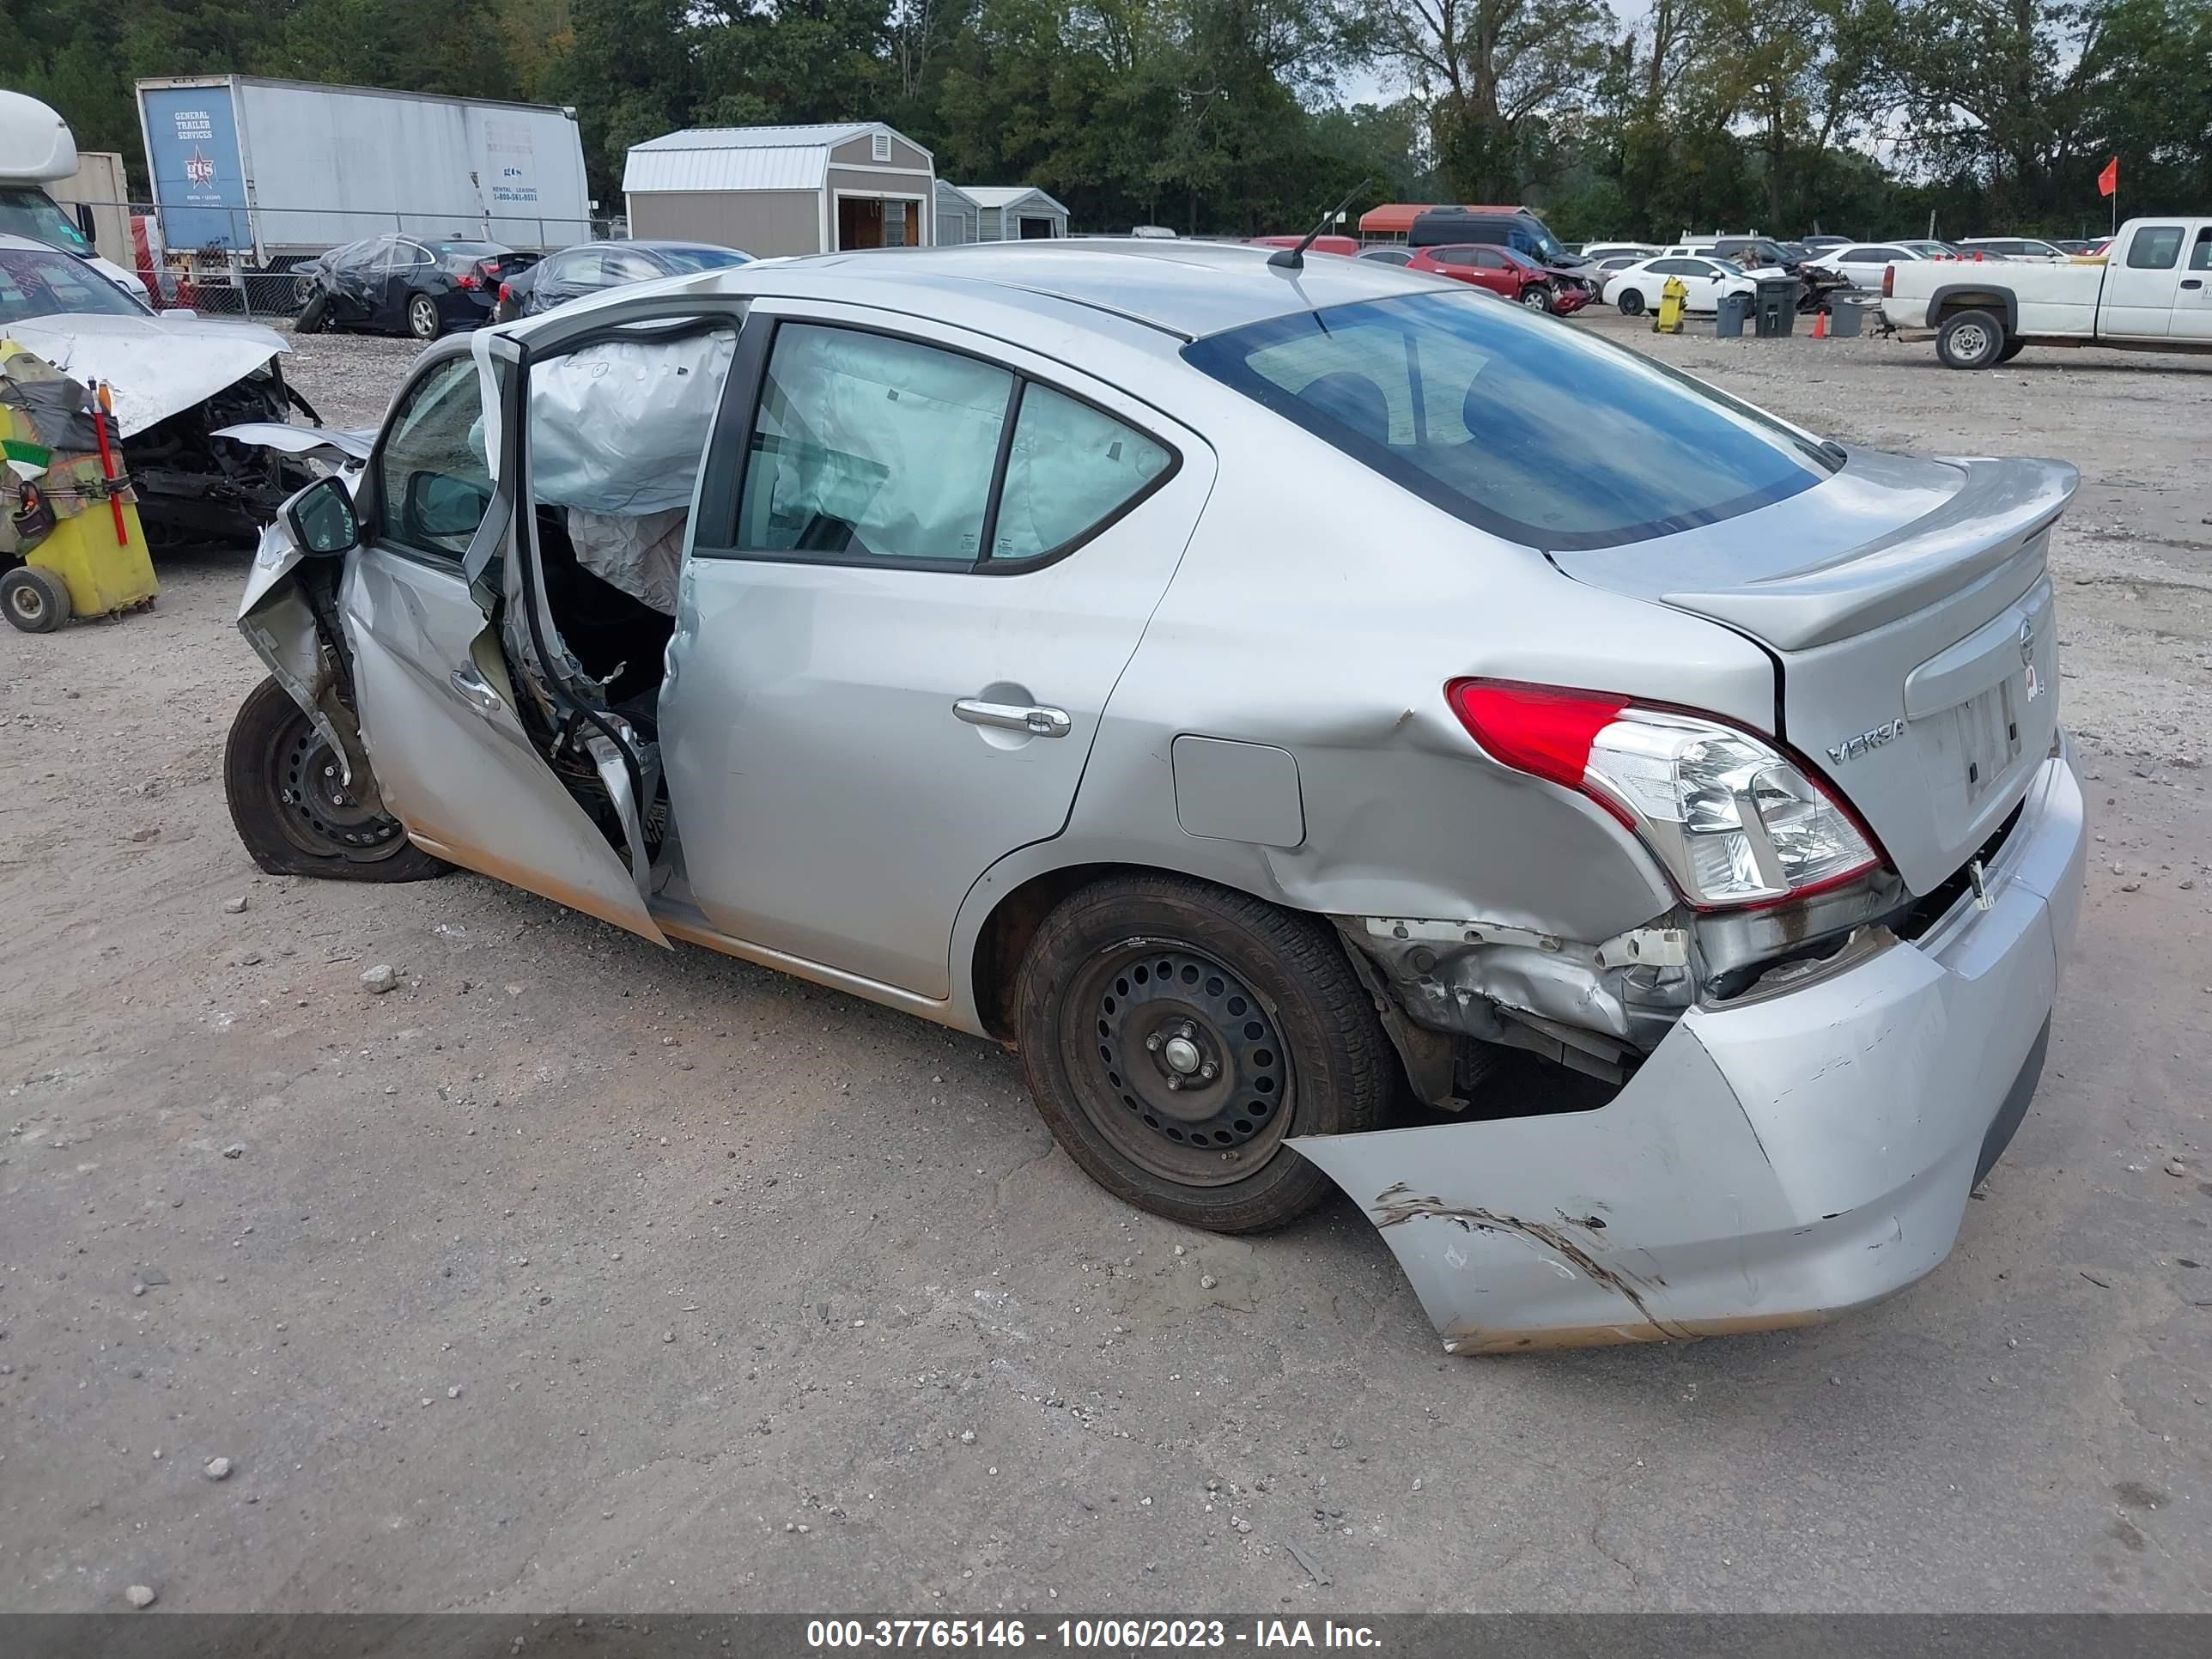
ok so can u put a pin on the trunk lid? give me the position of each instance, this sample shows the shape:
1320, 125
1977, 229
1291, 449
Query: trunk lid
1908, 603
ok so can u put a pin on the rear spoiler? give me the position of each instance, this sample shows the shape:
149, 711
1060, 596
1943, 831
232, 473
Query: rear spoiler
2002, 506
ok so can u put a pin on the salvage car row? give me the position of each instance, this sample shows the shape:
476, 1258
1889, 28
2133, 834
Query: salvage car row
997, 658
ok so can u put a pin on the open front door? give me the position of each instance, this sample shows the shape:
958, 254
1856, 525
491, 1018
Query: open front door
437, 707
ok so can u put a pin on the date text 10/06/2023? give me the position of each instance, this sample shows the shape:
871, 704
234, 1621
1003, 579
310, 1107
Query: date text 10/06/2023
1087, 1635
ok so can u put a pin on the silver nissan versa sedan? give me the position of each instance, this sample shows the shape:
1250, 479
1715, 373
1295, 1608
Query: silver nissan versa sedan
1337, 727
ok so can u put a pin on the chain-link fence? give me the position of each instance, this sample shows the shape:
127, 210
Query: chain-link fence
267, 264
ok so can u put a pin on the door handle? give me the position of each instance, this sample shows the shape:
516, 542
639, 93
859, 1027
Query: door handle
476, 691
2192, 281
1037, 722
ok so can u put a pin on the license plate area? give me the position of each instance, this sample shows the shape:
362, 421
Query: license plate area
1989, 744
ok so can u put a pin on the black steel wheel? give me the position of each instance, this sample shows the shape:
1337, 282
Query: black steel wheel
35, 599
293, 809
1175, 1034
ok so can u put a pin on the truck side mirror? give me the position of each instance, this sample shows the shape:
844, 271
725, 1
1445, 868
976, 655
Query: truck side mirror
84, 220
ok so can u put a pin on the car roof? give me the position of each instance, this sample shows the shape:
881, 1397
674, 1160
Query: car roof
1184, 290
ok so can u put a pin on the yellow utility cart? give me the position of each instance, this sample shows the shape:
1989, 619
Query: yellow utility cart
70, 542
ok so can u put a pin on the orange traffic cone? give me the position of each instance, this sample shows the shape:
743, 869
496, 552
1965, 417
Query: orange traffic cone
1820, 324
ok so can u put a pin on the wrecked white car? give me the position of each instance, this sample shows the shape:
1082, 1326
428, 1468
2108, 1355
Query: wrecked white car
1335, 727
176, 379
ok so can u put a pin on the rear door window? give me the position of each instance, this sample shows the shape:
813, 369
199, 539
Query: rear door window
871, 449
1544, 436
2200, 255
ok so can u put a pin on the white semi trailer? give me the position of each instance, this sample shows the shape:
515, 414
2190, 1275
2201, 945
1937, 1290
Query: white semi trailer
254, 174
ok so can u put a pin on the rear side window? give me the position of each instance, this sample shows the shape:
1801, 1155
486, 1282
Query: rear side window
1071, 468
1544, 435
871, 449
2200, 257
2155, 247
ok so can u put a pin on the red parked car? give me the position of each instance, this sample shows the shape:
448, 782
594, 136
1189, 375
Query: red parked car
1345, 246
1512, 276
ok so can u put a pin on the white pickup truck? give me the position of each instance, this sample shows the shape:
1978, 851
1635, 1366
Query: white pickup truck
2151, 292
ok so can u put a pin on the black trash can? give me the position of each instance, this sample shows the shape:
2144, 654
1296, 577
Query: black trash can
1734, 311
1777, 306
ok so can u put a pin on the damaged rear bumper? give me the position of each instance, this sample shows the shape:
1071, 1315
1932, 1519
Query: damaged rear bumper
1776, 1160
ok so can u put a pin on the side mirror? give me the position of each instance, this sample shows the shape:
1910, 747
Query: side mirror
438, 505
322, 519
84, 220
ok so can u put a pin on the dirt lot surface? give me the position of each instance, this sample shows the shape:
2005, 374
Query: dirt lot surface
574, 1274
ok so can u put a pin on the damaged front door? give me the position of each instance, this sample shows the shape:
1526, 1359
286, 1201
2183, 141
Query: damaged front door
438, 709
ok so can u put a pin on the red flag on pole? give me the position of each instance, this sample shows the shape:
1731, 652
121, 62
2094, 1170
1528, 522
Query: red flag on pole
2108, 181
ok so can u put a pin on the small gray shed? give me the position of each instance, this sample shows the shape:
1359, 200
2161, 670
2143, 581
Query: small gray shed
773, 190
957, 213
1016, 213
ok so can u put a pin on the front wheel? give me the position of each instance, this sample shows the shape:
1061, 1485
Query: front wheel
1630, 303
1537, 296
423, 321
293, 807
1174, 1035
1971, 340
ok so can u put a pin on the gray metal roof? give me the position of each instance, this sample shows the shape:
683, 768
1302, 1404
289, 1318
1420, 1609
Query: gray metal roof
1004, 196
742, 158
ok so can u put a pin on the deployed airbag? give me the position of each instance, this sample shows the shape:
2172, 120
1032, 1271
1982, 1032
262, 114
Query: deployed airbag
642, 553
619, 427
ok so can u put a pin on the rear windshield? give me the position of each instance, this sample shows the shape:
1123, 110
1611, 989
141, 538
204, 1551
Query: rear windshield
1538, 433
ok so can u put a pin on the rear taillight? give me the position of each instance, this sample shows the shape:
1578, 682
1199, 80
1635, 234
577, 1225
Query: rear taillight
1888, 281
468, 279
1733, 820
506, 293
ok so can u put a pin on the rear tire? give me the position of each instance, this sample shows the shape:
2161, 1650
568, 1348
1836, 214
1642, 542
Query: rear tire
1175, 1034
297, 818
1630, 303
1971, 340
423, 321
35, 599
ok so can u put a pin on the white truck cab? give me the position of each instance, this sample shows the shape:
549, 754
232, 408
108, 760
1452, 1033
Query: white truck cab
37, 148
2152, 291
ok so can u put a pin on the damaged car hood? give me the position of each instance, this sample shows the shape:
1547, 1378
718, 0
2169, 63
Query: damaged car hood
157, 366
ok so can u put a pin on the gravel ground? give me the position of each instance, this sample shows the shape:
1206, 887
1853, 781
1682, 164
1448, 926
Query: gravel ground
573, 1274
